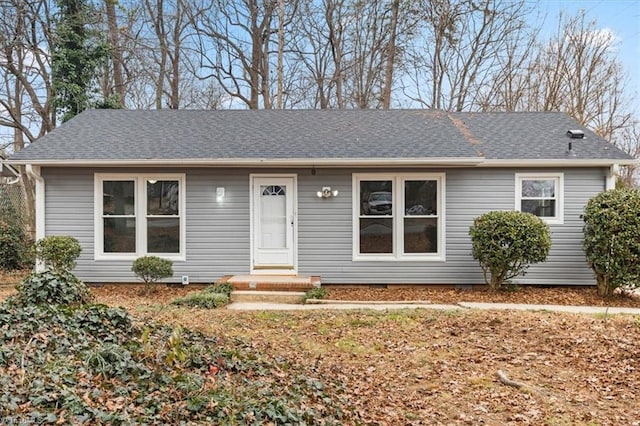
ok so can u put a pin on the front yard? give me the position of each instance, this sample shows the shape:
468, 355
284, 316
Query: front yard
428, 367
431, 367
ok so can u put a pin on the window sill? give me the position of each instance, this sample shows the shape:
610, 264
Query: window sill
134, 256
393, 258
552, 220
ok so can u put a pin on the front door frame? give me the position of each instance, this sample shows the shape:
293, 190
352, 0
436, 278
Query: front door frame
294, 219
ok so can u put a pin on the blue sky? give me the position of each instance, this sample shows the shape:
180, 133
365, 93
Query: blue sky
622, 17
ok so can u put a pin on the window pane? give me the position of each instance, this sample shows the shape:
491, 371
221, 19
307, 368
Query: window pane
542, 208
162, 197
119, 235
376, 198
118, 197
163, 235
421, 235
376, 235
544, 188
273, 217
273, 190
420, 197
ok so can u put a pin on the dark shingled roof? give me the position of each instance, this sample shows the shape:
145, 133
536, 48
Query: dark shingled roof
131, 135
534, 135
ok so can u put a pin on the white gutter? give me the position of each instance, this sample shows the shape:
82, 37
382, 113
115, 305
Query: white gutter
333, 162
34, 173
558, 163
264, 162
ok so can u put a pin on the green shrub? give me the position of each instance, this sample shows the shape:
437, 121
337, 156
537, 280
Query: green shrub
506, 242
58, 252
611, 239
224, 288
52, 288
315, 293
211, 297
203, 299
14, 247
152, 269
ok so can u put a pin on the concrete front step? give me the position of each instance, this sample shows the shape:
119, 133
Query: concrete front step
254, 296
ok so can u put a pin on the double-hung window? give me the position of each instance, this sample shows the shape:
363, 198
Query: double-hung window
541, 194
398, 217
138, 215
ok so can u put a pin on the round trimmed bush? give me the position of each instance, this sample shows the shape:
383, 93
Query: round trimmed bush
506, 243
612, 239
152, 269
59, 253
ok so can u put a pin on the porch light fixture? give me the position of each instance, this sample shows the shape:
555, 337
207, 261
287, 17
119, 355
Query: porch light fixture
219, 194
327, 192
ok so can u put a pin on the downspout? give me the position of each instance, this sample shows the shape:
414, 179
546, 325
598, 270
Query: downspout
34, 172
612, 177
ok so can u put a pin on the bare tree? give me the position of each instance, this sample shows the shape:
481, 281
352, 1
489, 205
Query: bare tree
577, 72
628, 139
234, 38
25, 82
170, 25
462, 48
319, 47
351, 50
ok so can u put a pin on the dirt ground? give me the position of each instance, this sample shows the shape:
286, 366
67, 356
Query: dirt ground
423, 367
584, 296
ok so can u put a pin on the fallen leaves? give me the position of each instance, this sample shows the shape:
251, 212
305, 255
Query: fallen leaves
582, 296
427, 367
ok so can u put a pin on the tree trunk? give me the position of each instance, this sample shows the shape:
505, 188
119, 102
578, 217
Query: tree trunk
605, 289
280, 53
116, 51
174, 97
391, 54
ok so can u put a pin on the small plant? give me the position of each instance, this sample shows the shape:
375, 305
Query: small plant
58, 253
315, 293
152, 269
211, 297
52, 288
506, 243
611, 243
224, 288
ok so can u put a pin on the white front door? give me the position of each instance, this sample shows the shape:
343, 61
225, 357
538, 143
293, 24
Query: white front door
273, 224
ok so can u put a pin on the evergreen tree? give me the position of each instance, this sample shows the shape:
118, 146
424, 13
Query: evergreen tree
77, 53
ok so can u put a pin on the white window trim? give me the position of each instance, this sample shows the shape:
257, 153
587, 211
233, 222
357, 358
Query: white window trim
140, 205
558, 219
398, 216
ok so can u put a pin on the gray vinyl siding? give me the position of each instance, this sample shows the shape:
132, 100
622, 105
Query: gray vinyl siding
218, 234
